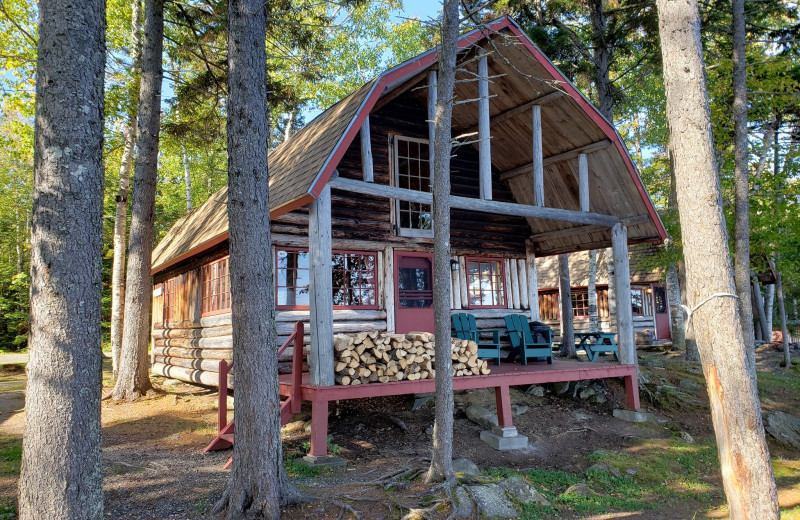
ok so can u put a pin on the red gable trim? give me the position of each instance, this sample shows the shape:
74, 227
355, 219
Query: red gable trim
424, 61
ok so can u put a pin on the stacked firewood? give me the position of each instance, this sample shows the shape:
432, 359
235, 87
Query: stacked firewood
370, 357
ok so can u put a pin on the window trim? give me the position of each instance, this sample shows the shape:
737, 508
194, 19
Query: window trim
167, 310
395, 180
203, 270
647, 301
502, 262
335, 307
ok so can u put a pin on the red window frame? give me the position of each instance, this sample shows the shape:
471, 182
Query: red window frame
580, 302
550, 307
168, 303
501, 278
361, 290
216, 280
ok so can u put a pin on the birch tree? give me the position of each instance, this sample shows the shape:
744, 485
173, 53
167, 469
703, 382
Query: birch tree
258, 485
61, 476
735, 411
133, 379
441, 467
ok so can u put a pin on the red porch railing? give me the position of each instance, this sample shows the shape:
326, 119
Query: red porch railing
289, 406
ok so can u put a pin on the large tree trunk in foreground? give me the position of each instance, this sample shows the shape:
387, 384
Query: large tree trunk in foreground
742, 185
258, 485
565, 296
692, 354
442, 458
133, 379
735, 411
121, 213
61, 476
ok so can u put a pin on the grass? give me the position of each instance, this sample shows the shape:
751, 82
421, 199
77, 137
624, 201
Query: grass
10, 456
774, 384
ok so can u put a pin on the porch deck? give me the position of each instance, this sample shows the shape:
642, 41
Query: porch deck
501, 379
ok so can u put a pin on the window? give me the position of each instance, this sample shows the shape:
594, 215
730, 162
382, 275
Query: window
169, 299
485, 283
548, 305
216, 287
412, 172
353, 273
580, 303
642, 301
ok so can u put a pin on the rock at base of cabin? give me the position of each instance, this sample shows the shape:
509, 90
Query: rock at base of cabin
466, 467
559, 388
784, 428
481, 416
519, 489
535, 390
633, 415
463, 503
492, 501
519, 409
686, 436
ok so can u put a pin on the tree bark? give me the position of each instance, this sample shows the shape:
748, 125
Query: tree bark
675, 310
441, 468
602, 59
766, 331
735, 411
592, 290
61, 474
692, 353
258, 485
742, 185
769, 309
565, 295
121, 211
612, 286
133, 380
187, 178
787, 356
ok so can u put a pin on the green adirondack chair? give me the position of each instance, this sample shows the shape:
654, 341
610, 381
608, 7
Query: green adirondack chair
519, 331
465, 327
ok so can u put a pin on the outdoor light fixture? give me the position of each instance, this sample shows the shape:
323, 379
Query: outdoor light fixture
454, 264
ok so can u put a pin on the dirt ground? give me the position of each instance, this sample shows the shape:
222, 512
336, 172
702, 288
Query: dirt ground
154, 467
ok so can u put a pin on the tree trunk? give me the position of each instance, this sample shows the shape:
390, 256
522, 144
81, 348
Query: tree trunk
17, 239
766, 332
741, 176
692, 353
121, 212
602, 59
441, 467
133, 380
287, 131
787, 356
61, 474
612, 287
735, 411
565, 295
675, 310
592, 290
257, 485
769, 309
187, 178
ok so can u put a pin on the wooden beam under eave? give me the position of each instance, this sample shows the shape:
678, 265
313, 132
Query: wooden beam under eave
583, 181
511, 113
564, 156
583, 230
366, 152
538, 159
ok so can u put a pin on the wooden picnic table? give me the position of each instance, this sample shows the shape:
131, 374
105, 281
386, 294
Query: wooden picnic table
596, 342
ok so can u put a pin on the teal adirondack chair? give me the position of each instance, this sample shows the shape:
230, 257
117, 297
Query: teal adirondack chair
465, 327
519, 331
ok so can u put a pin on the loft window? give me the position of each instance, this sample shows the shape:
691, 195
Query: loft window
169, 299
485, 283
354, 276
216, 287
412, 171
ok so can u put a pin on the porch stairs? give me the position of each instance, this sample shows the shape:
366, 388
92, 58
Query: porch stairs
289, 406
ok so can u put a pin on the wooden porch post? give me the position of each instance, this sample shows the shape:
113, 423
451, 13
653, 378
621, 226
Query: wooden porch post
533, 280
538, 157
320, 359
366, 152
484, 133
583, 181
431, 118
622, 279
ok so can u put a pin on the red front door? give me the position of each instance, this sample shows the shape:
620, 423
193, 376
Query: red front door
413, 292
661, 312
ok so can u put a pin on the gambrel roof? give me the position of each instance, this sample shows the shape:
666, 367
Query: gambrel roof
521, 76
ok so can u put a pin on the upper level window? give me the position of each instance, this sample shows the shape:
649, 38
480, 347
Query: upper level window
216, 287
412, 172
485, 282
354, 276
169, 299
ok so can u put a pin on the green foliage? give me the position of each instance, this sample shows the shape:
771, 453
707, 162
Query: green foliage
10, 456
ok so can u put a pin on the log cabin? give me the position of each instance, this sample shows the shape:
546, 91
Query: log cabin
536, 171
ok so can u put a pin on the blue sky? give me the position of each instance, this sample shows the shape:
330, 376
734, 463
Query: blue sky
424, 9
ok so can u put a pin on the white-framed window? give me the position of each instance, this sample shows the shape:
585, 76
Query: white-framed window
642, 300
412, 171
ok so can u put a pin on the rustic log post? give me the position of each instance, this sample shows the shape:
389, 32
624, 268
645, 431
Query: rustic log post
524, 300
533, 280
583, 181
622, 279
388, 287
538, 157
431, 117
484, 132
366, 152
320, 360
456, 274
